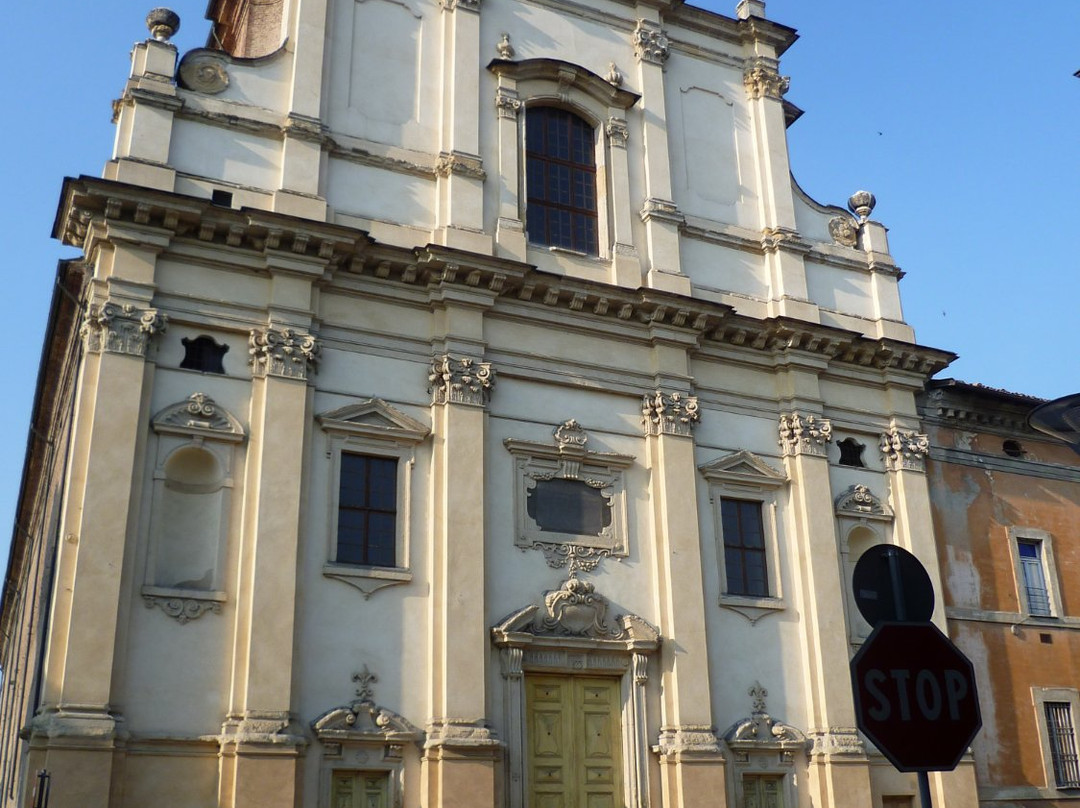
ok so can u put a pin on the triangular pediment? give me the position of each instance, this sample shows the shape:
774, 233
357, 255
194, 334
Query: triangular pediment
374, 418
744, 467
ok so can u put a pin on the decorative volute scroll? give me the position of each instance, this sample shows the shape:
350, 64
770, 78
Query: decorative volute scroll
618, 131
763, 80
804, 434
669, 413
198, 415
122, 329
904, 450
651, 43
182, 610
859, 502
204, 73
843, 231
460, 380
282, 352
569, 503
760, 731
508, 102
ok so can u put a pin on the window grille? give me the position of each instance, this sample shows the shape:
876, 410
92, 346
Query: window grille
1062, 736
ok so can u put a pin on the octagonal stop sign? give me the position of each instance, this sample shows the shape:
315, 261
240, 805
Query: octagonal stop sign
915, 696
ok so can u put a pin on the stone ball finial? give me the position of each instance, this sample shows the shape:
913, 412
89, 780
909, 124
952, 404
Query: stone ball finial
163, 23
861, 204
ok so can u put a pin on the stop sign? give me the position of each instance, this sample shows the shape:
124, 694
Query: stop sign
915, 696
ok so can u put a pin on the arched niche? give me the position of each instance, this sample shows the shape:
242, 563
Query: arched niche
190, 507
863, 520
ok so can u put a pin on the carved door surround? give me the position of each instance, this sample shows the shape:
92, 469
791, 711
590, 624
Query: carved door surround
571, 634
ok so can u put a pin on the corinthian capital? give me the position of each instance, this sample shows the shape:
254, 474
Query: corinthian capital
904, 450
285, 353
122, 329
804, 434
460, 380
669, 413
651, 43
763, 80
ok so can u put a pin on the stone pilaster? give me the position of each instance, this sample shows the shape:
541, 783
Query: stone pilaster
74, 734
460, 752
460, 171
839, 774
298, 193
144, 113
691, 764
261, 746
905, 452
661, 216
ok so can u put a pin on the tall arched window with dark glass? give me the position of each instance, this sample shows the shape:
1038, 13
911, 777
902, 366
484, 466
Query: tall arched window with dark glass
560, 180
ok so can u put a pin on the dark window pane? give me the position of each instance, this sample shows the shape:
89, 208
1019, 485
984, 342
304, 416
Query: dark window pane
560, 172
202, 353
744, 548
569, 506
367, 510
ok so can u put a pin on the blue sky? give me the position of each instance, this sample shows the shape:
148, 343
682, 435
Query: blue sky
961, 117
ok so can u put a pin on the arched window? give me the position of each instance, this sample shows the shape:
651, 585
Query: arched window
560, 180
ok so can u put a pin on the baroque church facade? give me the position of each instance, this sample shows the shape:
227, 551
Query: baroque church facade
459, 404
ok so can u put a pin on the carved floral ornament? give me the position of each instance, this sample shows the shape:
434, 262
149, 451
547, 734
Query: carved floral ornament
122, 329
285, 353
669, 413
460, 380
804, 434
904, 450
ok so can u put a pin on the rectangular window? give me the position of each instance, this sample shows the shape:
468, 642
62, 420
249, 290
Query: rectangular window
367, 510
1033, 578
1062, 741
744, 548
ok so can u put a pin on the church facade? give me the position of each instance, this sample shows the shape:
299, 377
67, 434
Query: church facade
458, 404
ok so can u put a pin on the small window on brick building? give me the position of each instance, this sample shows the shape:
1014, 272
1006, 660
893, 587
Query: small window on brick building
202, 353
851, 453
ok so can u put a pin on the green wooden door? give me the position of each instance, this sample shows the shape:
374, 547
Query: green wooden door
573, 742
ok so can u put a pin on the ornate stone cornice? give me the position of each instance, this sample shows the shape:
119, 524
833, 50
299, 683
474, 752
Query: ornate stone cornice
285, 353
651, 43
618, 132
842, 741
467, 5
690, 739
804, 434
459, 732
122, 329
904, 451
762, 79
669, 413
464, 165
460, 380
